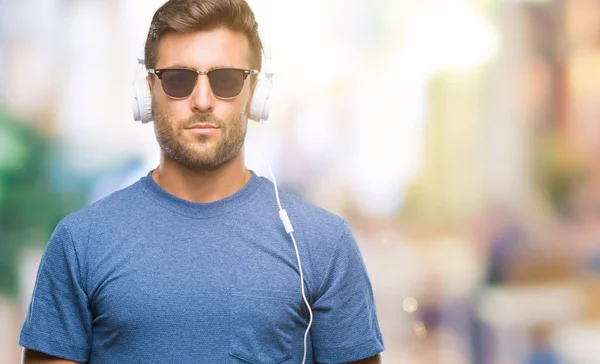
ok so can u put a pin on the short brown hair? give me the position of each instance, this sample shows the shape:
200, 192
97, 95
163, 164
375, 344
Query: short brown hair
181, 16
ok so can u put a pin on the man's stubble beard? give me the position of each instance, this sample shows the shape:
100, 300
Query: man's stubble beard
173, 146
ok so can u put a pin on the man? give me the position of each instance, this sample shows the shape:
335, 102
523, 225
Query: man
191, 264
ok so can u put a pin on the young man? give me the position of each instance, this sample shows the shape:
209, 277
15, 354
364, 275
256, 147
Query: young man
192, 264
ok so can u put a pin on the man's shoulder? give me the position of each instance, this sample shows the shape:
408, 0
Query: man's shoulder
311, 216
116, 204
313, 212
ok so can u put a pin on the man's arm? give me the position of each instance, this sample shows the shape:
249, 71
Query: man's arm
35, 357
371, 360
61, 302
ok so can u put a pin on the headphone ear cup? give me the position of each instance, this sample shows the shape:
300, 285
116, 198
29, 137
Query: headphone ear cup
261, 100
142, 101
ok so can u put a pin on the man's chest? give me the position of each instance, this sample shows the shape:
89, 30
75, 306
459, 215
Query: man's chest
229, 290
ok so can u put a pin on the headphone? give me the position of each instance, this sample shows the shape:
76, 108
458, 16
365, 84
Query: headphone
260, 106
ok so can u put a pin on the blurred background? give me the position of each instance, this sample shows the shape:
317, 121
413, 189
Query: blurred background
460, 139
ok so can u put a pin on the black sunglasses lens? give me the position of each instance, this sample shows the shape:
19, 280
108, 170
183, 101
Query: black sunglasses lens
178, 83
226, 83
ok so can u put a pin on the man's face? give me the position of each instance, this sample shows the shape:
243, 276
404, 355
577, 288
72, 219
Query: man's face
180, 125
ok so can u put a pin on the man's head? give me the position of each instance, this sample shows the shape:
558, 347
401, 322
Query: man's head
202, 35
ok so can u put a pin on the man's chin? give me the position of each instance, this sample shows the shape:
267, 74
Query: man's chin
200, 165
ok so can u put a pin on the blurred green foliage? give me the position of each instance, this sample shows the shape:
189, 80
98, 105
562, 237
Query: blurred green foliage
557, 169
31, 203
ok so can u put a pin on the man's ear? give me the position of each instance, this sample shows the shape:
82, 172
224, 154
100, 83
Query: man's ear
253, 84
150, 81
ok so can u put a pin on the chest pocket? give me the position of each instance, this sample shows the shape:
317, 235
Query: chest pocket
265, 325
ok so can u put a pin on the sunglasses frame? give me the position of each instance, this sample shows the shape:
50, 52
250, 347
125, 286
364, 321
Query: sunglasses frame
160, 71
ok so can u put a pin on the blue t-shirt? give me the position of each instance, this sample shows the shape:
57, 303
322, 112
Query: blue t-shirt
142, 276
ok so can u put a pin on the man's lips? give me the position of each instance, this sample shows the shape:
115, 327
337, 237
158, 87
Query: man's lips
202, 126
202, 129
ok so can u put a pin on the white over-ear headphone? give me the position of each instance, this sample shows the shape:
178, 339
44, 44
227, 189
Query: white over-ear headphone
260, 106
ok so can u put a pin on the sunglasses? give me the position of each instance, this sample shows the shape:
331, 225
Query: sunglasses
225, 83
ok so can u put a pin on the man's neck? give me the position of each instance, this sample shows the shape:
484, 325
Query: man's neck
201, 186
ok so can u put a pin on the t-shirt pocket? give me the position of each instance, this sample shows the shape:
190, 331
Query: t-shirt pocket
264, 324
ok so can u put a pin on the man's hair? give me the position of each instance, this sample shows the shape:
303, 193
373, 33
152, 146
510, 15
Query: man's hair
182, 16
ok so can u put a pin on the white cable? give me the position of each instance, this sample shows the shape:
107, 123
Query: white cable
287, 224
303, 297
262, 143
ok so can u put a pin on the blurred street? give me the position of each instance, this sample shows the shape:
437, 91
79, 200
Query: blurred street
459, 138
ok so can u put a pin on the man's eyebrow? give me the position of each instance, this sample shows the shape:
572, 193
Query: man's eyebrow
220, 66
179, 65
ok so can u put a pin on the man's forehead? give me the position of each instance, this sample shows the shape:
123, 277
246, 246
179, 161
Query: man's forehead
207, 49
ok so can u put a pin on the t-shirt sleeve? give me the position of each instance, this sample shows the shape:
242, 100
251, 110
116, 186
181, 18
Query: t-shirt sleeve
345, 326
58, 321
